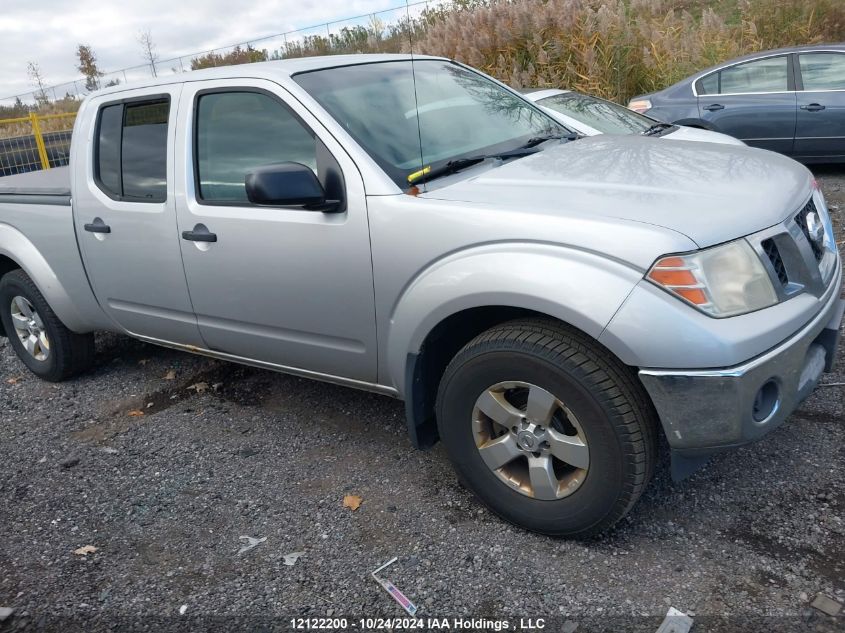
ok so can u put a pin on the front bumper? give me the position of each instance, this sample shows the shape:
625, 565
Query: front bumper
708, 411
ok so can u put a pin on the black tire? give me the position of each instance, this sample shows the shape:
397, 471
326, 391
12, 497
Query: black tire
613, 411
69, 353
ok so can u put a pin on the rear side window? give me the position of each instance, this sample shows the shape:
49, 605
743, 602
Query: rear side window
763, 75
131, 152
708, 85
237, 132
823, 71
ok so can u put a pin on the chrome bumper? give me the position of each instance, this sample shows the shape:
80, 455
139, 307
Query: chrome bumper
708, 411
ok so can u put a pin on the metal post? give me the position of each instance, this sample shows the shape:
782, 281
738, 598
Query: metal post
39, 141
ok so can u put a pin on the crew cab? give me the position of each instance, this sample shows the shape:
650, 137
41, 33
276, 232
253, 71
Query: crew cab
545, 304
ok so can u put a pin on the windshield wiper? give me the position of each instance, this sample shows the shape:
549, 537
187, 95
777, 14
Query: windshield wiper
536, 140
656, 129
455, 165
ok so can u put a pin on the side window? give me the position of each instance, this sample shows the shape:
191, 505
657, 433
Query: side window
823, 71
708, 85
763, 75
237, 132
131, 152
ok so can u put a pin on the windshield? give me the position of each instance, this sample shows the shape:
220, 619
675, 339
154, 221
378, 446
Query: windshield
461, 113
605, 116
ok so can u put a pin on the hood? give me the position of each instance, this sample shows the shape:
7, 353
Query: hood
684, 133
709, 192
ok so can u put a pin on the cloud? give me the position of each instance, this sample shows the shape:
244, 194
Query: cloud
48, 32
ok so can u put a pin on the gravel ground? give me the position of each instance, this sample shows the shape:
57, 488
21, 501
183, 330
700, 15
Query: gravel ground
745, 544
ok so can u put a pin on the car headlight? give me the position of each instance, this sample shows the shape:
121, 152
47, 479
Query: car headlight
721, 281
640, 105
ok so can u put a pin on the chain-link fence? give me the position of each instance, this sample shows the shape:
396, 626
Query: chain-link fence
387, 31
35, 142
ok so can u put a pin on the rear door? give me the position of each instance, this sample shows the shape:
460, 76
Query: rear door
752, 101
287, 286
125, 215
821, 106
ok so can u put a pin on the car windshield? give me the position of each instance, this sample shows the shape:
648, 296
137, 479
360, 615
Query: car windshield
407, 121
604, 116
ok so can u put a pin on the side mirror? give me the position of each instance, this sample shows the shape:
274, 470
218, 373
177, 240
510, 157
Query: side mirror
287, 184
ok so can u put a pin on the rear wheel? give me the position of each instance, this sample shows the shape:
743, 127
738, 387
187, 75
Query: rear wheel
547, 428
39, 338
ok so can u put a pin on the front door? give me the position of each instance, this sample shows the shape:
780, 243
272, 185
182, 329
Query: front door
753, 101
125, 215
283, 285
821, 106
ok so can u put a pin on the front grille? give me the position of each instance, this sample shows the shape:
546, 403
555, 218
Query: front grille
801, 220
772, 252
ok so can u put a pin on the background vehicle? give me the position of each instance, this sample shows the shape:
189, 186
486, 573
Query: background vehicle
590, 116
790, 100
541, 304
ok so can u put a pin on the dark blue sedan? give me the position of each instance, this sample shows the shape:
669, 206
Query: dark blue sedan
789, 100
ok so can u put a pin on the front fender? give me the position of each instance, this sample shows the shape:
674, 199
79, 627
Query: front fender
17, 247
581, 288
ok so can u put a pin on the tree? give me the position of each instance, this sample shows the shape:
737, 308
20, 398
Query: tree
148, 49
236, 56
88, 67
37, 78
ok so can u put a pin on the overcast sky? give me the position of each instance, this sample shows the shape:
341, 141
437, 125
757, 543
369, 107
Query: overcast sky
48, 31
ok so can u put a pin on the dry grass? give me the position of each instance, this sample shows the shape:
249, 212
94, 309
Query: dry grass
619, 48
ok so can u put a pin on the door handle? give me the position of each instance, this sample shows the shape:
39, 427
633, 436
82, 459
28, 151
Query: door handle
714, 106
97, 226
200, 233
813, 107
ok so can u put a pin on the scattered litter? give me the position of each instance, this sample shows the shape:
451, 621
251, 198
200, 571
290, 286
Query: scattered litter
199, 387
394, 592
569, 627
5, 613
675, 622
290, 559
832, 384
85, 550
250, 543
182, 609
170, 375
110, 450
135, 413
13, 380
826, 605
353, 502
143, 361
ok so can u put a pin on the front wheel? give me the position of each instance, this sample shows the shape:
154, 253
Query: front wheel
39, 338
547, 428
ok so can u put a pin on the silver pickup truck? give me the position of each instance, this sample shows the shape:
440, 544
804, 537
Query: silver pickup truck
546, 305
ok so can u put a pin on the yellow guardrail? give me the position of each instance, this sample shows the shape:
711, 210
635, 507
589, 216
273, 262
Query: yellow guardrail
35, 141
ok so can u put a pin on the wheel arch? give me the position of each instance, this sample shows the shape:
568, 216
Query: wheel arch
7, 264
461, 296
17, 250
425, 368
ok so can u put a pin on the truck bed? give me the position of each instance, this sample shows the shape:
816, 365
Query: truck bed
37, 187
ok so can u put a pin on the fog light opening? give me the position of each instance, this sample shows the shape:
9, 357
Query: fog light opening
766, 402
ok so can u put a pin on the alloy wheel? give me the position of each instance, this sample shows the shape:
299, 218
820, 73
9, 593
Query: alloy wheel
30, 328
530, 440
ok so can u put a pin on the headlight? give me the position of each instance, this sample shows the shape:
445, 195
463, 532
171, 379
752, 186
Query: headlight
640, 105
721, 281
